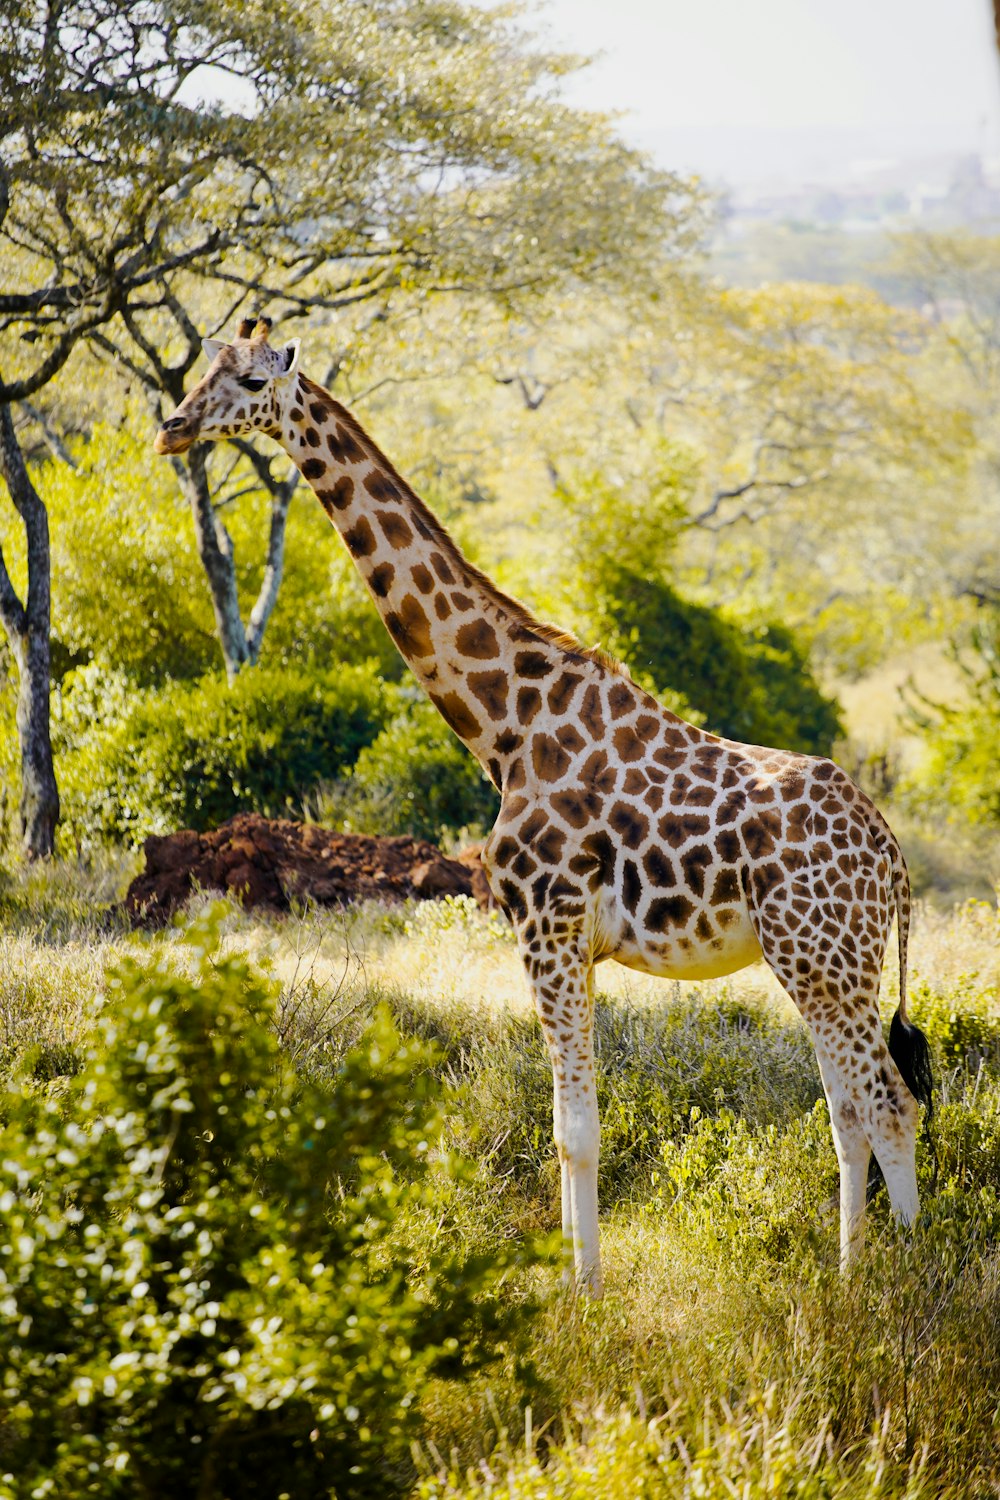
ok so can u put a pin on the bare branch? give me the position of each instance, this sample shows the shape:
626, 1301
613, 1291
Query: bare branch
108, 346
532, 391
51, 436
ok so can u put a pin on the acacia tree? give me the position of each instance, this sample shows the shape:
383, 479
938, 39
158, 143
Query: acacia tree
794, 444
159, 158
27, 626
955, 276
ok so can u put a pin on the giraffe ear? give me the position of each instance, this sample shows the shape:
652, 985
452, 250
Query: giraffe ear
290, 359
211, 348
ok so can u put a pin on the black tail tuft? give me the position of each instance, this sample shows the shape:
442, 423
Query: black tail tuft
909, 1050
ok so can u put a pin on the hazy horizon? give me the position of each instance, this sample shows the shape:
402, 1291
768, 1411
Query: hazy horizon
787, 90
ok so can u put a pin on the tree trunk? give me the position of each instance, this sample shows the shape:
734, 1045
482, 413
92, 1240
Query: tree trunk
27, 627
240, 645
39, 793
215, 548
274, 566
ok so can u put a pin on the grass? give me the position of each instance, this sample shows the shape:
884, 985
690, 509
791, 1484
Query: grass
728, 1357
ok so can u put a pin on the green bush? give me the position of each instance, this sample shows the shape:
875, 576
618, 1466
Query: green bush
748, 682
961, 1025
203, 1285
324, 614
191, 755
416, 778
129, 592
660, 1067
756, 1196
962, 741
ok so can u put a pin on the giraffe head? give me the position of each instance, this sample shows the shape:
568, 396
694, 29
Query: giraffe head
243, 391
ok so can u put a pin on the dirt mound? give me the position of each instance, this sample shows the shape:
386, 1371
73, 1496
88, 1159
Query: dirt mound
270, 861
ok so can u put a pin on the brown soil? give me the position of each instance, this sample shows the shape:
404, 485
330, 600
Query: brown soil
271, 861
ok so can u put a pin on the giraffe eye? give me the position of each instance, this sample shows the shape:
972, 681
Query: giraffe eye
253, 382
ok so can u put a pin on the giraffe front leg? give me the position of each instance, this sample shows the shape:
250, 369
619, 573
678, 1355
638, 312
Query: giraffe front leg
853, 1157
561, 980
578, 1138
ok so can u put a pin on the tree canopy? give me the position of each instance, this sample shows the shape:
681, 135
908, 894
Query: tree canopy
163, 163
320, 156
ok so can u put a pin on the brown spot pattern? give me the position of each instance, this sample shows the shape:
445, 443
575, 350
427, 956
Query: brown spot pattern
478, 639
667, 842
457, 715
395, 527
410, 627
491, 690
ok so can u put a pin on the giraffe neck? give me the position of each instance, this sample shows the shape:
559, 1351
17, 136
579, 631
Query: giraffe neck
486, 664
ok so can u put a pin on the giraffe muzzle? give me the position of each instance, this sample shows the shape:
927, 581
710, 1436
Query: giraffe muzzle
173, 437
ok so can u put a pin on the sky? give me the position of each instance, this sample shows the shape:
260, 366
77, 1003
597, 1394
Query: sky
767, 90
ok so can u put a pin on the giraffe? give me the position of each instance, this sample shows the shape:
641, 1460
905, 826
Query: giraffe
624, 832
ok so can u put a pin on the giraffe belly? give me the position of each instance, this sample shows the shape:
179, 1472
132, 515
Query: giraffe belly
685, 956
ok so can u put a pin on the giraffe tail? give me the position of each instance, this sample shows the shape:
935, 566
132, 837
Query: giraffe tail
908, 1046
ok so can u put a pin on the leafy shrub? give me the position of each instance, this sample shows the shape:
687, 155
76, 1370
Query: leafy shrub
192, 755
143, 556
416, 778
659, 1069
748, 682
960, 1025
324, 615
961, 743
201, 1275
753, 1194
967, 1140
128, 589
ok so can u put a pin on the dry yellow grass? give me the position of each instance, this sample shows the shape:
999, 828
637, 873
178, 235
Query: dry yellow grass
875, 713
55, 955
450, 955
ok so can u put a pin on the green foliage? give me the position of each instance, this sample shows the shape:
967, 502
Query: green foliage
108, 545
961, 1026
751, 683
635, 525
534, 193
747, 679
127, 586
660, 1069
201, 1276
963, 743
416, 777
190, 755
324, 616
755, 1195
967, 1139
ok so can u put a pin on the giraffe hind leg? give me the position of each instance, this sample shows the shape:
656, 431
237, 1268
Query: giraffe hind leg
832, 974
873, 1115
910, 1051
